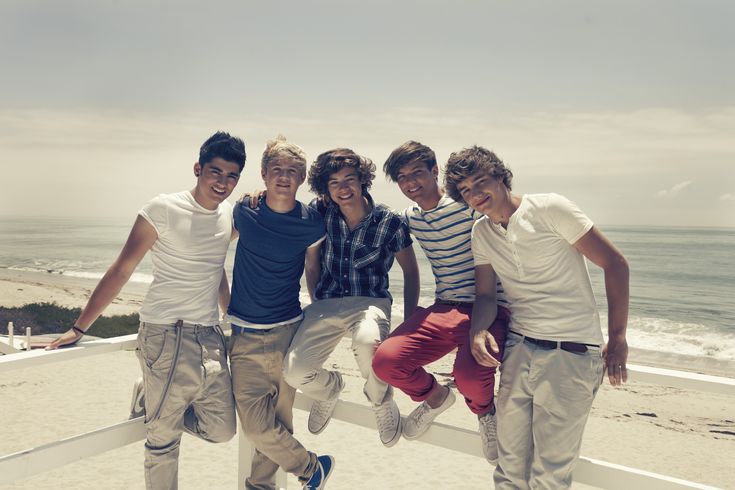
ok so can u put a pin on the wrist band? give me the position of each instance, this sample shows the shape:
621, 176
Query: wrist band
78, 330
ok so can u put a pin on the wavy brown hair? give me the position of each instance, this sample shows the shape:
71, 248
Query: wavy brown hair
333, 161
464, 163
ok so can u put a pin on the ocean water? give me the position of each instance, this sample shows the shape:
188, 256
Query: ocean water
682, 279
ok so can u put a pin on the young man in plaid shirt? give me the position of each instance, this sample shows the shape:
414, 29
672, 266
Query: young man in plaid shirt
350, 291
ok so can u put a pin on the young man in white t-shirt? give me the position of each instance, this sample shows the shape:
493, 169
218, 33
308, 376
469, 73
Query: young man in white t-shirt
554, 358
181, 348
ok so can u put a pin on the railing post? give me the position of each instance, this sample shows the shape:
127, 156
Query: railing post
10, 335
28, 338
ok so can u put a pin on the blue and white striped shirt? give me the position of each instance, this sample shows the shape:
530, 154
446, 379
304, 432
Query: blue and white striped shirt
444, 234
356, 263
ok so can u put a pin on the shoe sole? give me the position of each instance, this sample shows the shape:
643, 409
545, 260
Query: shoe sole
414, 437
330, 416
317, 432
326, 478
396, 437
321, 429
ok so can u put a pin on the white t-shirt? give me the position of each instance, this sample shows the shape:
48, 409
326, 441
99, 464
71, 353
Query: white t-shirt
544, 276
188, 259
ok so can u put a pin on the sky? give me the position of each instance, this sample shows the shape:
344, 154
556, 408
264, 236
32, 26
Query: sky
626, 107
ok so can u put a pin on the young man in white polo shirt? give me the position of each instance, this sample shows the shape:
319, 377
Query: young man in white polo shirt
181, 348
554, 359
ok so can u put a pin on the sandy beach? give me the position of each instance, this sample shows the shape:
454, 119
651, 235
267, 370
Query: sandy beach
680, 433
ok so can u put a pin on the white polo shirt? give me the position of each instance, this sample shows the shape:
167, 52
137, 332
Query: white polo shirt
188, 258
544, 276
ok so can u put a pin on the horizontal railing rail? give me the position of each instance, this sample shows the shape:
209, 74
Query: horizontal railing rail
600, 474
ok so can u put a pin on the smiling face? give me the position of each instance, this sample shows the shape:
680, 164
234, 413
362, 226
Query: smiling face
215, 181
283, 176
485, 193
345, 188
419, 184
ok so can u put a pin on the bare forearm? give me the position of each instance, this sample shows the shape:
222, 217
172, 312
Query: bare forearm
617, 291
224, 293
484, 311
106, 291
410, 294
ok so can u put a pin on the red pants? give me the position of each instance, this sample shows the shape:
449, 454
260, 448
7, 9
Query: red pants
430, 334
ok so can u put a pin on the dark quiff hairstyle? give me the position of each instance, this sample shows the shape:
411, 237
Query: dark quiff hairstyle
464, 163
408, 152
333, 161
222, 145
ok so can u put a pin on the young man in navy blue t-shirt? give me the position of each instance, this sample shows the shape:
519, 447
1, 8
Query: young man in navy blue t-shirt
277, 235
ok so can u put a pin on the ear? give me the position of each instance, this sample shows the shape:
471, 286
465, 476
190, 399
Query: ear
262, 173
197, 169
435, 171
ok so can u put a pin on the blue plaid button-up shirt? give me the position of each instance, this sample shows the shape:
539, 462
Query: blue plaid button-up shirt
356, 263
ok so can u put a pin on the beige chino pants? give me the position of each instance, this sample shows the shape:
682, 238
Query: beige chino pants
265, 405
543, 402
325, 322
198, 399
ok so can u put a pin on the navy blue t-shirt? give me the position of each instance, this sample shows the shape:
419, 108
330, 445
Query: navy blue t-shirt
270, 260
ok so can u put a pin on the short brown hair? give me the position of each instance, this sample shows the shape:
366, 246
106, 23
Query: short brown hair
408, 152
333, 161
464, 163
280, 148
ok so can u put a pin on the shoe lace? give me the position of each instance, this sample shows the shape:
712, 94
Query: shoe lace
488, 426
421, 413
321, 408
384, 413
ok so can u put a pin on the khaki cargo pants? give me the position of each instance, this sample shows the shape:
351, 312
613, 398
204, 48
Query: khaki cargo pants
197, 398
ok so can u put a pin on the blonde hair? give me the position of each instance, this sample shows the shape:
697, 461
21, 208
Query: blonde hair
280, 148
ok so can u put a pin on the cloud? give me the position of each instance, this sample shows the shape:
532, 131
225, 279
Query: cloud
727, 197
675, 190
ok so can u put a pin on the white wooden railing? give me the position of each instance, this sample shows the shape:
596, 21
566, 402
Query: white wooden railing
600, 474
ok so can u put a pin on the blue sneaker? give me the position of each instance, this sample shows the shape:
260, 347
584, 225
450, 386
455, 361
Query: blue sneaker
325, 465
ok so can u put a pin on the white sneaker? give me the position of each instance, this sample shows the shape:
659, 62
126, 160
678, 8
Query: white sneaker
421, 418
321, 411
388, 419
488, 436
137, 404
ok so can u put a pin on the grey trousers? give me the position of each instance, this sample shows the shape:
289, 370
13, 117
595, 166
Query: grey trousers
325, 322
265, 406
198, 399
542, 405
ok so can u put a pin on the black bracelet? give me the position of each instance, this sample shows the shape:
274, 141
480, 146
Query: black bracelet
79, 330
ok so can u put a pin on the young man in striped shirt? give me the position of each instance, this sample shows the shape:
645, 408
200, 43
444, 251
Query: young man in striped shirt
443, 228
350, 290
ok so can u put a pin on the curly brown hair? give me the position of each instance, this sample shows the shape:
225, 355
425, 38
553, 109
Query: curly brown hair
464, 163
335, 160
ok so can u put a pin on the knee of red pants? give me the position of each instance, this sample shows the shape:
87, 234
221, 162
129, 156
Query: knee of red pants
385, 361
477, 386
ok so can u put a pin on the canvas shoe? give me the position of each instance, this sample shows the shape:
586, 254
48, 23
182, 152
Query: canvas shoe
324, 467
488, 436
421, 418
388, 419
137, 404
321, 411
